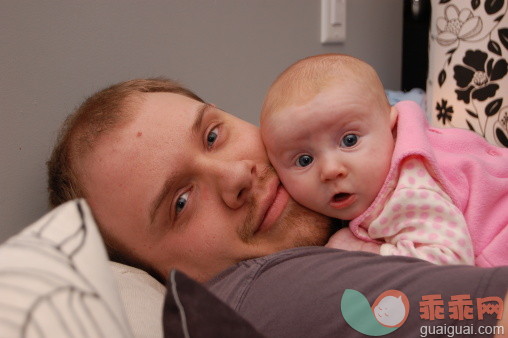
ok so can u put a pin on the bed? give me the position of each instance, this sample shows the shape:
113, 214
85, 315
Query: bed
56, 280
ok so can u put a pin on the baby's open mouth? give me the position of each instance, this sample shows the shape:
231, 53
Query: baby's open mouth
341, 197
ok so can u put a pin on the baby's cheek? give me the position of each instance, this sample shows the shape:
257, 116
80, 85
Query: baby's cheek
302, 190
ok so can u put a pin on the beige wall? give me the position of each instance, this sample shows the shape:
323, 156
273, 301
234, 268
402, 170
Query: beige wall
55, 53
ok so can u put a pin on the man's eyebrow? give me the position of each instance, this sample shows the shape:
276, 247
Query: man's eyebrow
161, 196
170, 182
196, 126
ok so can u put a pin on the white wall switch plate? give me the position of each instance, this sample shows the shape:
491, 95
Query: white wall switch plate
333, 21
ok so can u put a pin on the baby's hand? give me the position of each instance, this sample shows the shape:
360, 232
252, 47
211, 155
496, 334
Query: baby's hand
345, 240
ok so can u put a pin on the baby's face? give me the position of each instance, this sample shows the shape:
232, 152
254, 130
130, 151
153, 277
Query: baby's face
332, 153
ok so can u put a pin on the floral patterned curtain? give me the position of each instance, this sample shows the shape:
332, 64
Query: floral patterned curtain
467, 84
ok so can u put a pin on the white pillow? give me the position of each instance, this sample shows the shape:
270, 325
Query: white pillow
55, 280
143, 299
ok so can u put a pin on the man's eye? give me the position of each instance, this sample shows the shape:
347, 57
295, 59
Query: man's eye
181, 202
349, 140
212, 137
304, 160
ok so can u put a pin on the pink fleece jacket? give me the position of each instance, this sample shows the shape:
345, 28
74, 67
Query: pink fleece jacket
473, 173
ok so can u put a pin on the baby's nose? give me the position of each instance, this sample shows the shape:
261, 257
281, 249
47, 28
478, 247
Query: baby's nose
331, 169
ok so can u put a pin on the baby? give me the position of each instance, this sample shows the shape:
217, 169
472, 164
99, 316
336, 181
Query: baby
340, 149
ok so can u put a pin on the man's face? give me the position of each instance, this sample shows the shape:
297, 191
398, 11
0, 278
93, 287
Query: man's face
185, 185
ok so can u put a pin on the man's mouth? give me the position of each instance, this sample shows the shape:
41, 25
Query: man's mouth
273, 207
342, 200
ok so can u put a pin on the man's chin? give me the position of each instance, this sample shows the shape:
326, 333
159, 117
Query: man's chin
307, 227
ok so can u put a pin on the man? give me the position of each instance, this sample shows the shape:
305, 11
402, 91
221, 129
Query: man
177, 183
171, 185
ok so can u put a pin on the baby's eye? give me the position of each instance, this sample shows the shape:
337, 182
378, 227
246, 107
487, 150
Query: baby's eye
212, 137
181, 202
349, 140
304, 160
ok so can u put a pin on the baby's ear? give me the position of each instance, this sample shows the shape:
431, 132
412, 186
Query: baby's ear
393, 117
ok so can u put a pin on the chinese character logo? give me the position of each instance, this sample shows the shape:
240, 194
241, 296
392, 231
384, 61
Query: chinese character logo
460, 307
387, 314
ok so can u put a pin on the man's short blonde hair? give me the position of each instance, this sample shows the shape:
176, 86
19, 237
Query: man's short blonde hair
99, 114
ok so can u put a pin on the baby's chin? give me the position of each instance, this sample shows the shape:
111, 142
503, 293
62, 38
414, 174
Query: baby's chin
346, 214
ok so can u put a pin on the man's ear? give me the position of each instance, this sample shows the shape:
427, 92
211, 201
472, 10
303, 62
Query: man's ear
393, 117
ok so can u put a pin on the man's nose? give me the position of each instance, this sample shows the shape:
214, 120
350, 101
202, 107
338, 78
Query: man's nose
234, 181
331, 168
